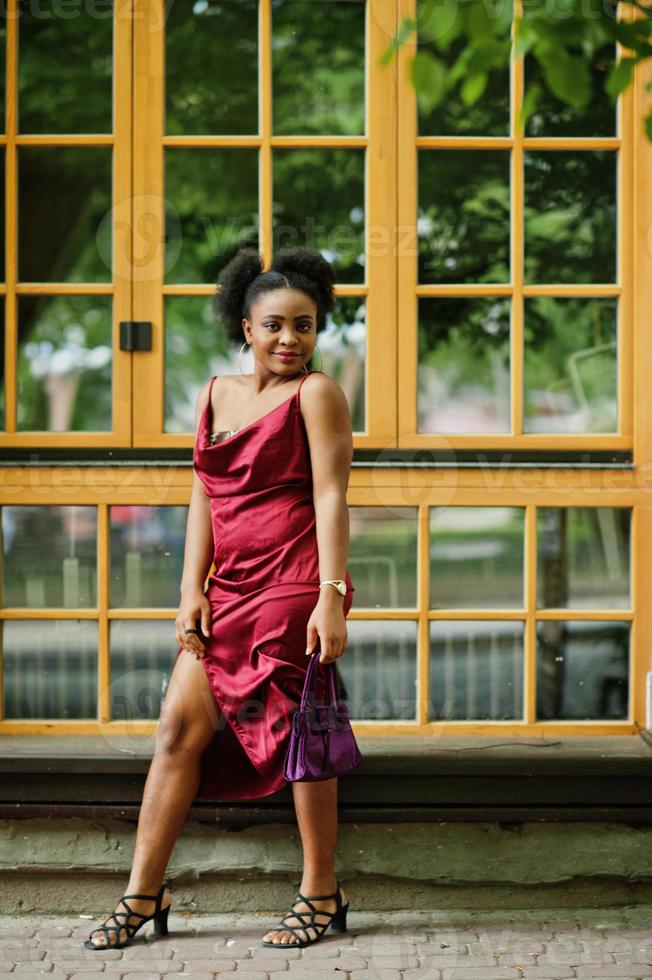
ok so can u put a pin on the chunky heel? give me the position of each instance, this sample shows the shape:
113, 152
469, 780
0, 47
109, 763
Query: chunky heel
335, 920
338, 922
161, 922
122, 922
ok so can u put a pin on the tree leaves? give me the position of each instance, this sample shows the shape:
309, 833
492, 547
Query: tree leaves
563, 37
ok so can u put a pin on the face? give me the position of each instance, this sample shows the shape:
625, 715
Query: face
283, 321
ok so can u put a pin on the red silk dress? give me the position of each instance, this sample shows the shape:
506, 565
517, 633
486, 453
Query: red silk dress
262, 591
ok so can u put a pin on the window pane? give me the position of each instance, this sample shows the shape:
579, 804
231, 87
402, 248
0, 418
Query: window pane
142, 658
318, 75
146, 555
489, 116
383, 556
64, 363
3, 420
212, 215
570, 365
476, 670
378, 671
556, 118
63, 574
64, 214
196, 348
463, 223
570, 216
319, 202
3, 274
583, 557
50, 669
463, 365
211, 67
582, 671
65, 67
476, 557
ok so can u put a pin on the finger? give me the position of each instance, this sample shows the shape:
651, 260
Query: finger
193, 642
312, 637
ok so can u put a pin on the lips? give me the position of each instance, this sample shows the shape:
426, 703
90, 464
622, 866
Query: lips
287, 356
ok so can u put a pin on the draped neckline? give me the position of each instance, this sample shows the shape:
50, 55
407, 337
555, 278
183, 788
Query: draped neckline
207, 417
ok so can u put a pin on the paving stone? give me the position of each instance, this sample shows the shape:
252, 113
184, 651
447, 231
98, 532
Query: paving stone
266, 953
147, 964
611, 970
214, 963
375, 975
480, 973
421, 973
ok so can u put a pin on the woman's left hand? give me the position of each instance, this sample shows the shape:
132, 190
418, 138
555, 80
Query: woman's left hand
327, 625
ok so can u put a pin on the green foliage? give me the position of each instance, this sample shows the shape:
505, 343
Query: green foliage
566, 39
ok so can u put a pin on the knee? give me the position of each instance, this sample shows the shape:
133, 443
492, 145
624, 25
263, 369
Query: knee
173, 738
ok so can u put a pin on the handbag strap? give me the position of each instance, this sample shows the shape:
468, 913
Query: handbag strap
310, 683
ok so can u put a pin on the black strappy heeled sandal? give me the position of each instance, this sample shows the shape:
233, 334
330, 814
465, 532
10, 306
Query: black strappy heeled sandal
336, 920
160, 917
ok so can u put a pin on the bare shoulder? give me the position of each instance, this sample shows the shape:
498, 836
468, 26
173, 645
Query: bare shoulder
322, 397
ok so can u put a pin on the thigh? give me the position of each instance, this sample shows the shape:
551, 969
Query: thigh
189, 713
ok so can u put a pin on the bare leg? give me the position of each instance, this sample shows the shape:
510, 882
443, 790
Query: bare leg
316, 807
188, 719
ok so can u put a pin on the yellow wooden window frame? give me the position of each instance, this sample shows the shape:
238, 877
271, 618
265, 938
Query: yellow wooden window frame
409, 290
379, 144
119, 288
409, 486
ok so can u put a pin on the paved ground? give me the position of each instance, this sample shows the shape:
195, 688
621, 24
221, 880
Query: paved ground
457, 945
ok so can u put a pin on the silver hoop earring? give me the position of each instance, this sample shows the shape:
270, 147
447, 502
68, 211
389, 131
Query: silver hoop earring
245, 344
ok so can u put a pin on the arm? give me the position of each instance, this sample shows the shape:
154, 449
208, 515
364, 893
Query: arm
328, 425
197, 558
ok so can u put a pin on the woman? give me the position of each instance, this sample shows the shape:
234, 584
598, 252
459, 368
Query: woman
268, 508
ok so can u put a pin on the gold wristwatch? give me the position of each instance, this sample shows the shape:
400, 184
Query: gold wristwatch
339, 584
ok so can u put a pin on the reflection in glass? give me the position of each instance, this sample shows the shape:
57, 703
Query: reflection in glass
3, 73
50, 669
50, 556
64, 221
570, 216
64, 363
146, 555
3, 274
463, 365
142, 659
582, 671
583, 557
476, 557
383, 556
463, 221
570, 365
318, 75
213, 214
556, 118
197, 348
65, 67
377, 675
341, 353
489, 116
476, 670
3, 420
319, 202
211, 67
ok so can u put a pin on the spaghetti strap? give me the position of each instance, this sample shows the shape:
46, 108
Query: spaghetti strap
209, 404
305, 375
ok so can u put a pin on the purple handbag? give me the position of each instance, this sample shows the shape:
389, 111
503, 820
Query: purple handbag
322, 743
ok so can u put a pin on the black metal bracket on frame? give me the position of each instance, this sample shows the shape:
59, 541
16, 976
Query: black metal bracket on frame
135, 335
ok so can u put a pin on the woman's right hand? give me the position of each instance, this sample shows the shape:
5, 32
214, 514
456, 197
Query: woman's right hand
193, 608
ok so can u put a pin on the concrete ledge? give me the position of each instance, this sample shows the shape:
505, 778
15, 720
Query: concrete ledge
403, 779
